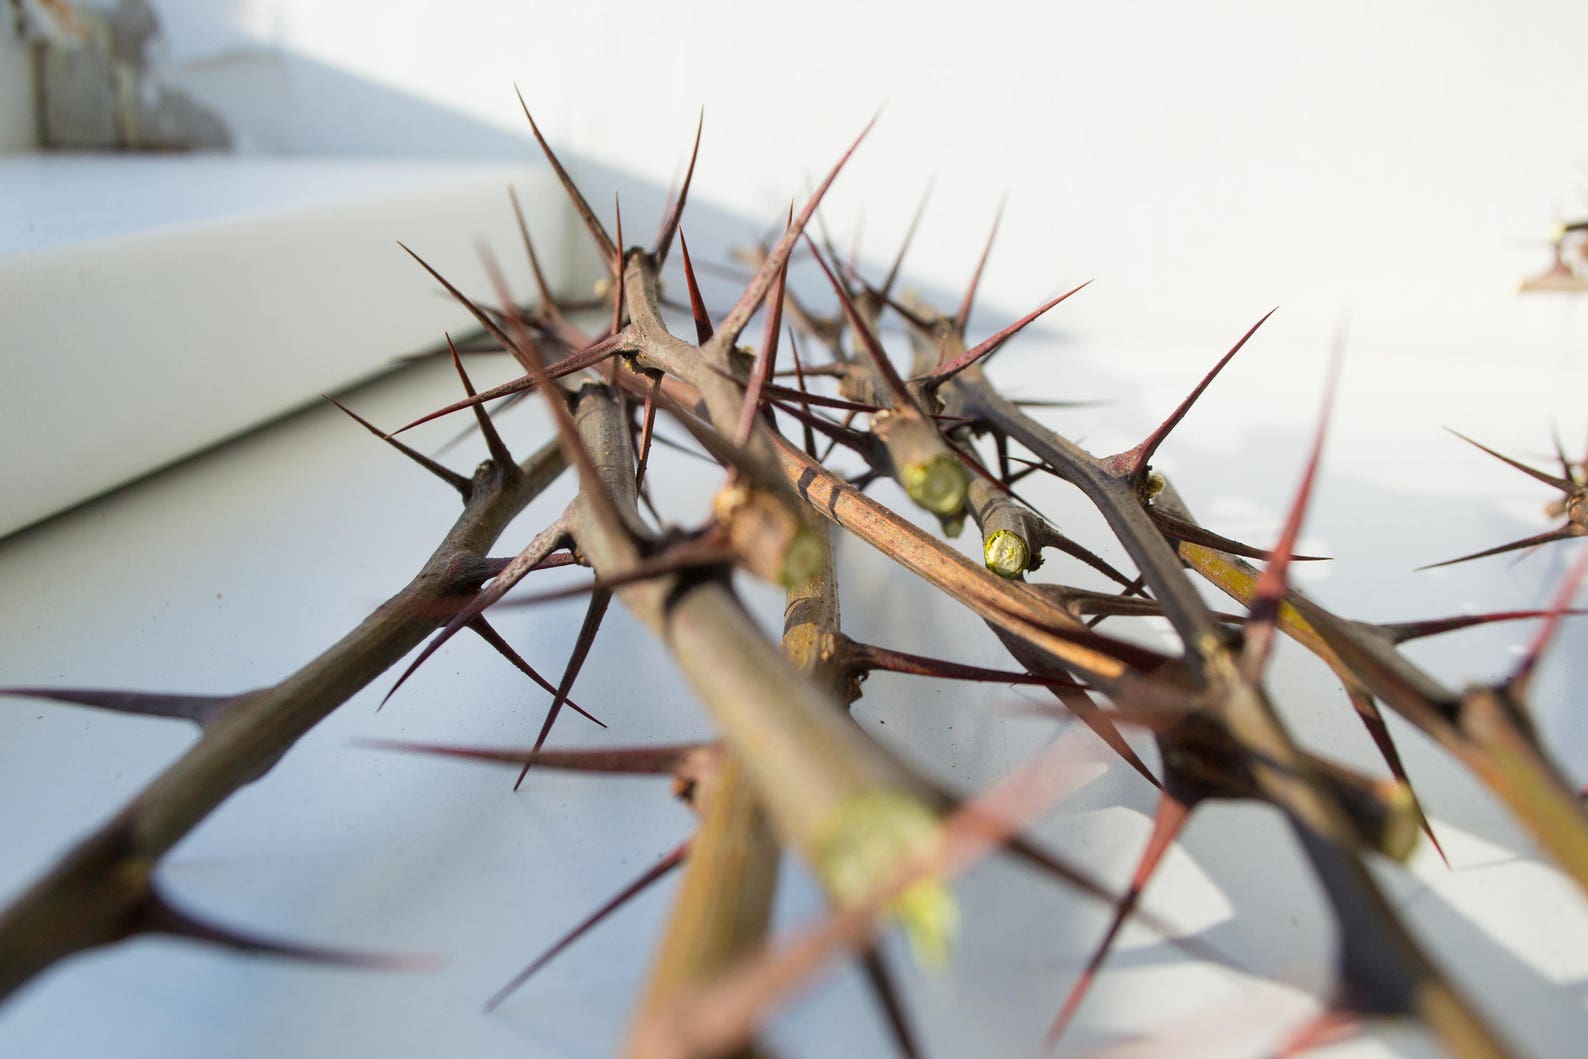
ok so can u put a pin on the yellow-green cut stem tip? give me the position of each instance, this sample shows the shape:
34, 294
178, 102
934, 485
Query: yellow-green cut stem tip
1006, 553
937, 485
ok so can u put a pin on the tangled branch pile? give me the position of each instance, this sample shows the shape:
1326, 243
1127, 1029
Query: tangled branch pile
790, 770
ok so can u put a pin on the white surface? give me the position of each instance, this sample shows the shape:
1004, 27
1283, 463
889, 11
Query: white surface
153, 305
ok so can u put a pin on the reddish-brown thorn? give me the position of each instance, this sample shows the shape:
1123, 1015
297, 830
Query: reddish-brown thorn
773, 392
893, 382
1167, 823
647, 429
493, 440
623, 896
943, 373
698, 554
1272, 583
904, 247
591, 489
697, 306
807, 432
537, 549
1191, 533
872, 657
1133, 462
765, 363
892, 1003
912, 317
487, 632
962, 314
617, 298
753, 294
660, 760
446, 474
1405, 631
1373, 720
1565, 485
196, 708
664, 238
479, 314
548, 304
1001, 447
836, 434
1076, 550
159, 916
603, 241
833, 440
1560, 533
597, 610
585, 358
1522, 676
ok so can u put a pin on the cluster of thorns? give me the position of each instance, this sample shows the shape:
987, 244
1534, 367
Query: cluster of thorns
790, 769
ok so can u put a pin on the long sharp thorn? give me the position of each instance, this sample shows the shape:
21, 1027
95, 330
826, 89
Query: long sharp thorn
874, 657
833, 439
1001, 446
1406, 631
623, 896
765, 363
879, 356
1191, 533
590, 486
479, 314
1373, 720
487, 632
597, 610
196, 708
1134, 461
664, 238
904, 247
493, 440
159, 916
1269, 592
836, 434
548, 304
1565, 485
887, 994
647, 428
1560, 453
962, 314
697, 305
591, 222
807, 432
1560, 534
991, 345
695, 555
446, 474
664, 760
1166, 825
1522, 677
617, 300
753, 295
588, 357
544, 543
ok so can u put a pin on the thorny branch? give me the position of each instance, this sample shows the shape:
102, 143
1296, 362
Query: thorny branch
791, 769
